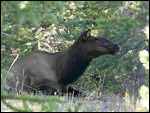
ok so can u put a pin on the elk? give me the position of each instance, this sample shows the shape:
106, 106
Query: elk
43, 70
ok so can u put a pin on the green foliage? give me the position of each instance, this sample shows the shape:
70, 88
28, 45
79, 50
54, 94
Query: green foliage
4, 73
23, 12
75, 108
54, 25
46, 104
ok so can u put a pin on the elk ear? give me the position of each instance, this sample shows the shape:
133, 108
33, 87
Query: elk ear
85, 34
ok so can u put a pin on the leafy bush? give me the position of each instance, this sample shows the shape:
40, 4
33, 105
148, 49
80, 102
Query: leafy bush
54, 25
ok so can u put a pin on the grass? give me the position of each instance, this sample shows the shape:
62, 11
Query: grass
105, 103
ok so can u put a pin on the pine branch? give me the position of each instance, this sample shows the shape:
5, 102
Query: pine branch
129, 47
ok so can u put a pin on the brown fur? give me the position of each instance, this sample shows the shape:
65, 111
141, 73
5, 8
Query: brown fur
58, 70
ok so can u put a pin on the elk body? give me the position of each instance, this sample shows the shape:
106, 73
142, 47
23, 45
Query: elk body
58, 70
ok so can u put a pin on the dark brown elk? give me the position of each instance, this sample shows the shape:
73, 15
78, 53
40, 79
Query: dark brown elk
40, 69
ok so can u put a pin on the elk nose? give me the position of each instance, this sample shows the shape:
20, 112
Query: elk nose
118, 46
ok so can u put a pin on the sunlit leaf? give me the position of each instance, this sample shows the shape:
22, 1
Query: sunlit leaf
144, 58
146, 31
144, 93
23, 4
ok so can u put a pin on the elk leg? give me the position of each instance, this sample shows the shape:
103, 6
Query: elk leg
47, 90
74, 92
